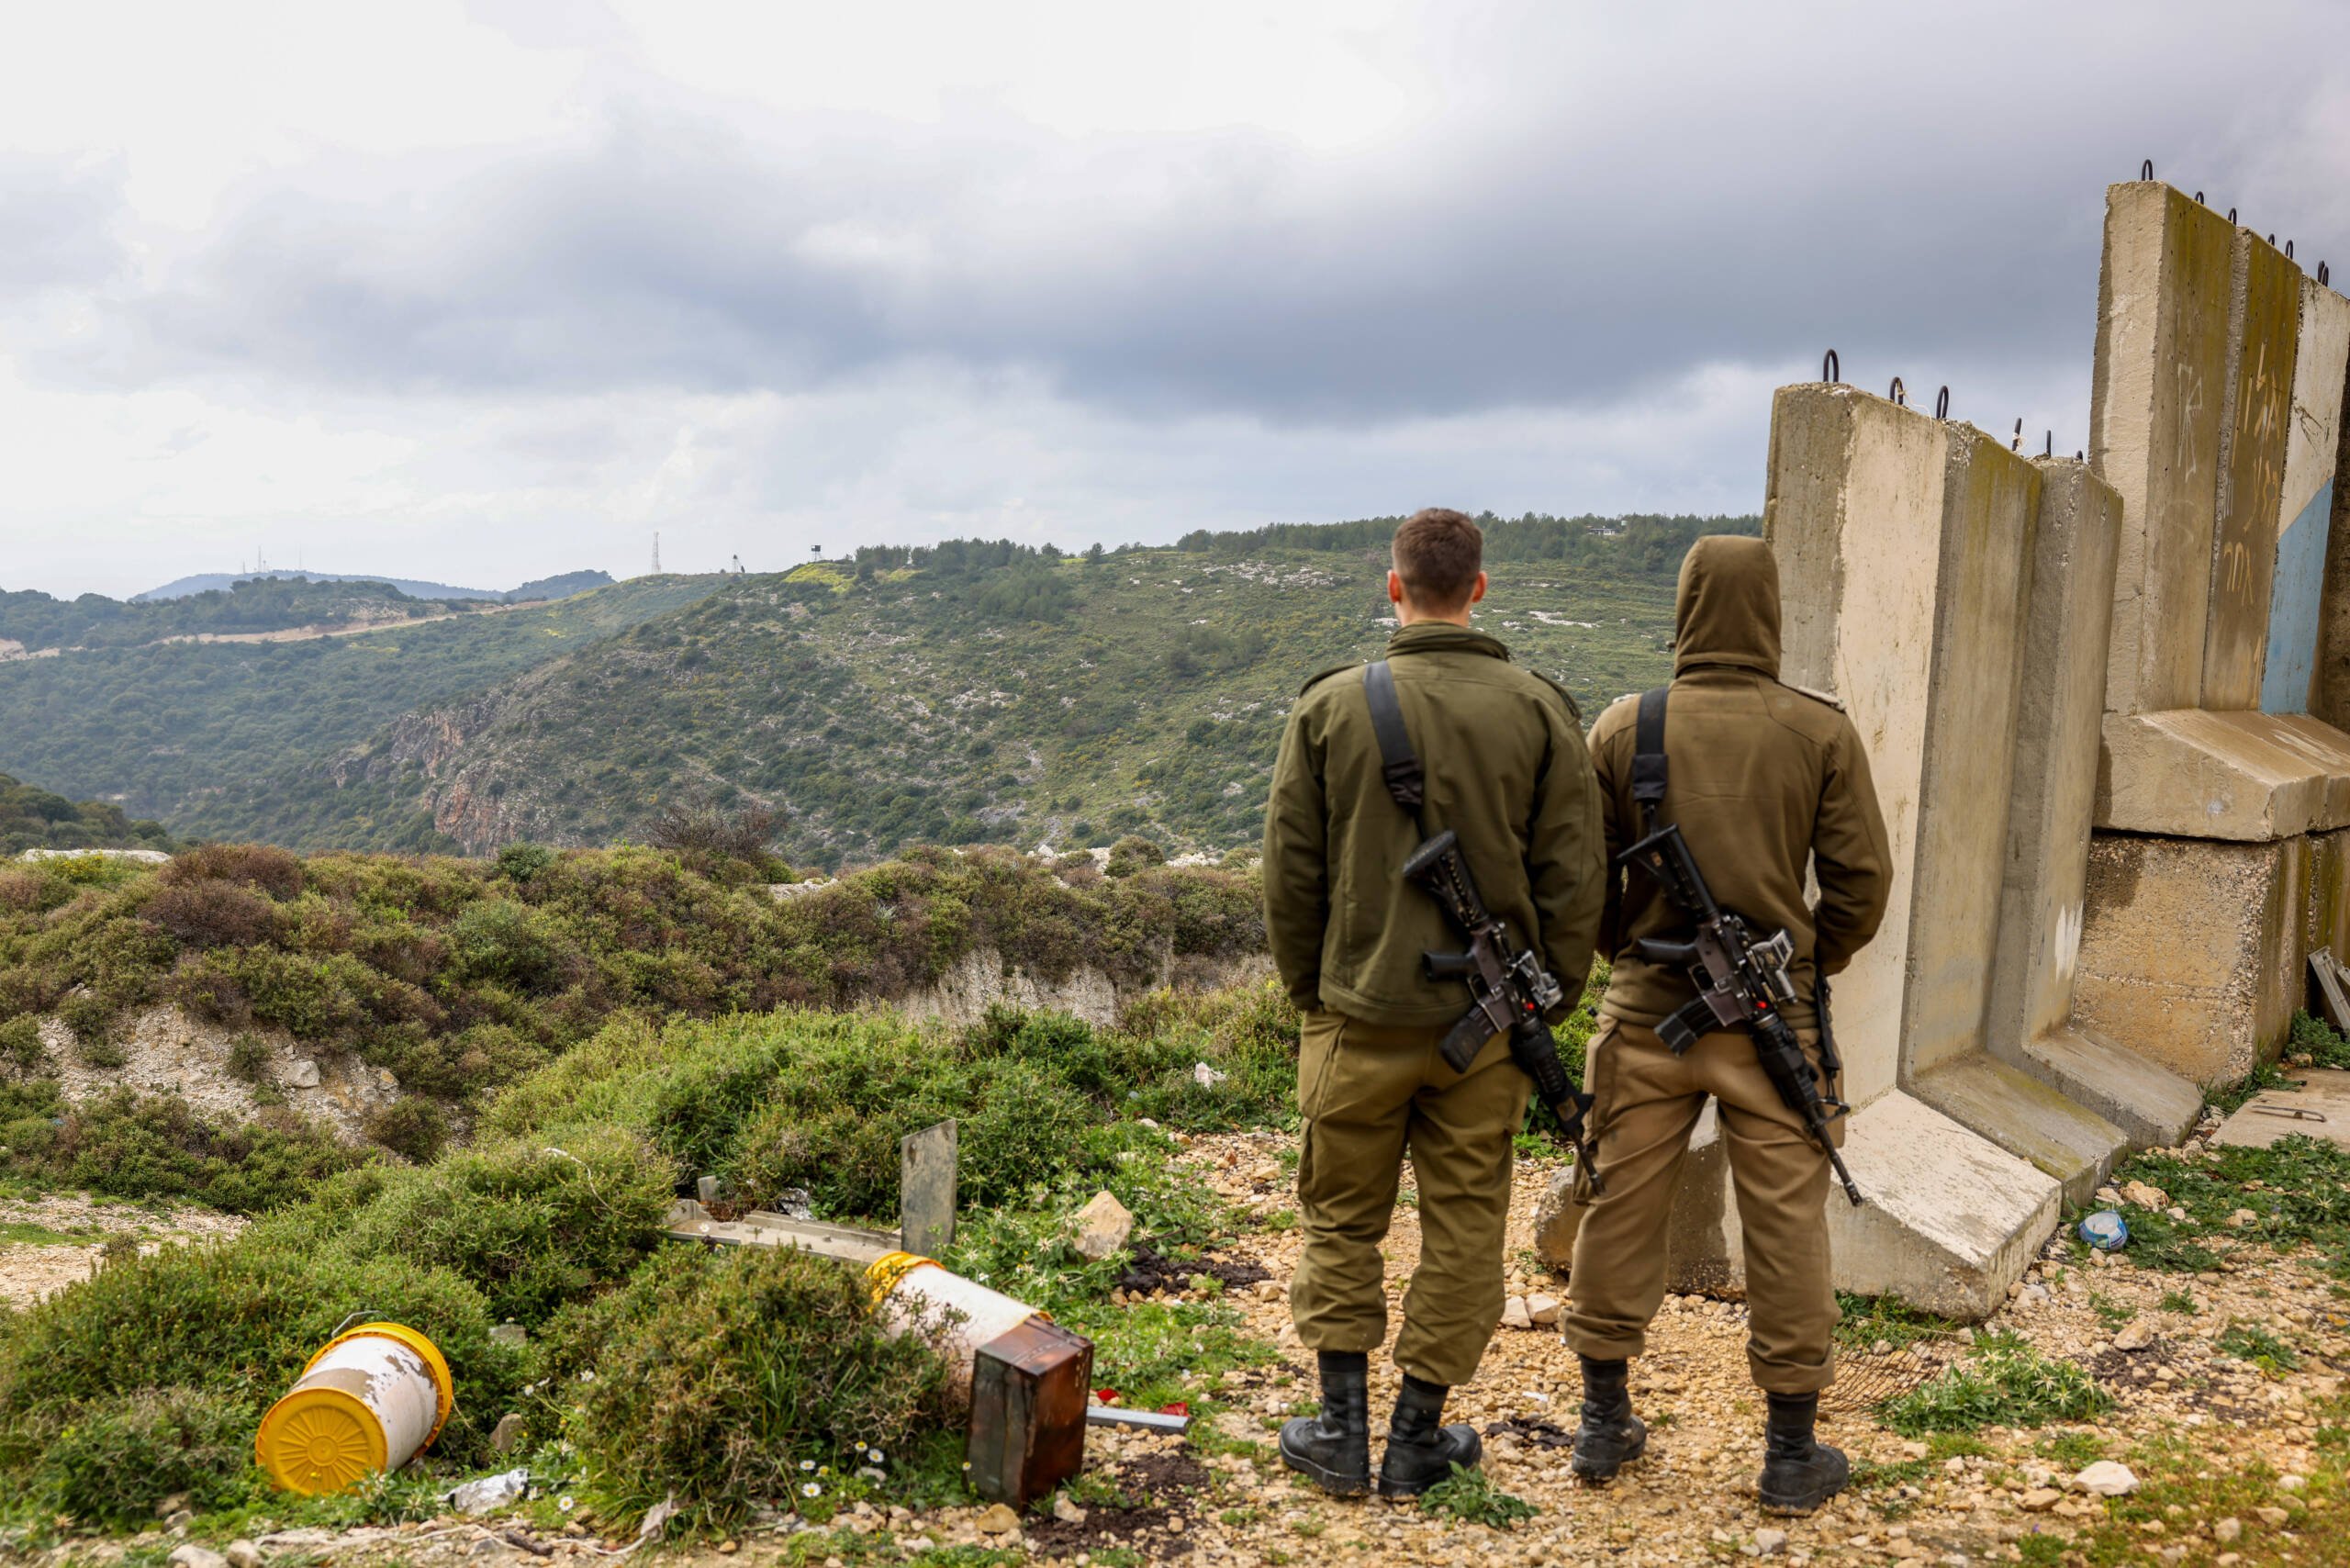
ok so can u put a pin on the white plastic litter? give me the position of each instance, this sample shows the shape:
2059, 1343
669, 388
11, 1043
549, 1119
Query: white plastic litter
490, 1493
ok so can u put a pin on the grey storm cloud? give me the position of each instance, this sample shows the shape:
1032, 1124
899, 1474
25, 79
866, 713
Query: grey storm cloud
1924, 198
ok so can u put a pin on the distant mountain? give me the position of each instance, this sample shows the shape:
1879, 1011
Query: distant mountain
562, 587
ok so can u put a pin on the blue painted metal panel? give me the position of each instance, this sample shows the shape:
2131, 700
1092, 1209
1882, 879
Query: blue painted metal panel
2293, 608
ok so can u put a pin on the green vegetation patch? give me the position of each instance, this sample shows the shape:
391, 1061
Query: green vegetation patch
1470, 1497
2006, 1382
2297, 1191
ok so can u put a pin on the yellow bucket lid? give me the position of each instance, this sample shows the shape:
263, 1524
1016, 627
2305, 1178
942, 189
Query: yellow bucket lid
444, 1386
320, 1440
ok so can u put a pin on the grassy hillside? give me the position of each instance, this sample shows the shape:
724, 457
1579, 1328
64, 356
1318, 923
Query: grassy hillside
167, 730
36, 621
965, 695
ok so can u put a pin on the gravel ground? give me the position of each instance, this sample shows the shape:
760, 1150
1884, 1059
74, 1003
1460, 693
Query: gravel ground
77, 1230
1690, 1499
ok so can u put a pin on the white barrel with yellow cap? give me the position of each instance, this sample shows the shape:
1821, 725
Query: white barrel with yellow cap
913, 1292
371, 1400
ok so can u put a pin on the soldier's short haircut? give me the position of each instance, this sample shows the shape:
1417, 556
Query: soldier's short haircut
1438, 553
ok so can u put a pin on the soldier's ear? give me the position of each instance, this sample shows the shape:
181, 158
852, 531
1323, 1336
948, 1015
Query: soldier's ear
1394, 587
1477, 594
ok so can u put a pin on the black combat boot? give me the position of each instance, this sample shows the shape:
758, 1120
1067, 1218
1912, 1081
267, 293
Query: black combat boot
1334, 1447
1419, 1452
1611, 1437
1799, 1473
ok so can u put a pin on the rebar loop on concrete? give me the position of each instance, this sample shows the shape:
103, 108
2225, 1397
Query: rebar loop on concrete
2289, 249
2198, 200
2324, 274
2146, 169
1941, 404
2232, 215
1832, 369
2050, 450
2017, 443
1898, 393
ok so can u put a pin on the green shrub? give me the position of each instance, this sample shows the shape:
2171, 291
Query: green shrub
1133, 854
717, 1375
112, 1461
504, 942
530, 1225
410, 1126
92, 1022
153, 1146
248, 1059
520, 862
22, 1054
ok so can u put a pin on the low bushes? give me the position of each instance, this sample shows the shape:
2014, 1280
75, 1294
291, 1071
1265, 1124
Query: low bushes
717, 1377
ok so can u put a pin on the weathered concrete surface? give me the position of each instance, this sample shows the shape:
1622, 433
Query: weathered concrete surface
1950, 1221
2265, 315
2156, 389
2058, 713
2330, 685
2305, 516
2152, 1106
2320, 1108
1854, 512
2245, 776
1990, 515
2029, 1119
2193, 950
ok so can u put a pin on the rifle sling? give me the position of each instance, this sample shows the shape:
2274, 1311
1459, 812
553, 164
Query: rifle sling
1400, 764
1648, 758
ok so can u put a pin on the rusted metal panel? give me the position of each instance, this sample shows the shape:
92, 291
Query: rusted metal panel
1029, 1392
926, 1190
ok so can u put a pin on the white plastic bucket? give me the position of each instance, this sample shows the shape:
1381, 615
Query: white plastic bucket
915, 1292
370, 1401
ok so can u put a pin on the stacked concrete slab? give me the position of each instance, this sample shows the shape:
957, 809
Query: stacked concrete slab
2222, 797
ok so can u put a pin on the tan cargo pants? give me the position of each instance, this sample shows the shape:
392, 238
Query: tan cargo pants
1647, 1101
1370, 1094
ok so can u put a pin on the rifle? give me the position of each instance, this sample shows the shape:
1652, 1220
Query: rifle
1509, 989
1742, 981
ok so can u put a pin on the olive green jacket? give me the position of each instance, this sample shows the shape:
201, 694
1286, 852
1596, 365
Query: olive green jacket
1507, 772
1764, 779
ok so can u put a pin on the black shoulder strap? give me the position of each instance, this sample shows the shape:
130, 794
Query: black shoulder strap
1400, 763
1648, 758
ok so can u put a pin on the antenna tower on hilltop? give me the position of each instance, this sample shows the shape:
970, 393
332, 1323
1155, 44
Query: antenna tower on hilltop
657, 551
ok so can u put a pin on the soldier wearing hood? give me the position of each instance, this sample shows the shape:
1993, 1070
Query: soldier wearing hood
1508, 773
1765, 780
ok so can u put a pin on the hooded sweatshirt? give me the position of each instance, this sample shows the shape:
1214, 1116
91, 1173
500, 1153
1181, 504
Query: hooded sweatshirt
1766, 781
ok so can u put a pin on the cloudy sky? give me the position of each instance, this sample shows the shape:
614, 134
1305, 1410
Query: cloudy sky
484, 291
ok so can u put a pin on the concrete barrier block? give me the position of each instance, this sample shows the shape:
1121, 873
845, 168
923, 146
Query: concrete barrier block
2059, 713
2153, 1106
2305, 515
2156, 387
2264, 314
2192, 954
2029, 1119
2245, 776
1951, 1221
1990, 517
1855, 512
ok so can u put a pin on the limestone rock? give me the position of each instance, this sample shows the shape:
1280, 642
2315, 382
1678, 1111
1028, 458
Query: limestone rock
1768, 1542
2242, 1218
2289, 1483
1542, 1310
195, 1556
1103, 1226
1069, 1513
998, 1520
2135, 1335
2228, 1531
1556, 1222
303, 1074
2107, 1479
242, 1555
2275, 1518
2040, 1499
1514, 1314
507, 1433
2144, 1196
1205, 1076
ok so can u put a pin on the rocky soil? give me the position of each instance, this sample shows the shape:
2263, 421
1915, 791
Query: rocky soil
49, 1242
2188, 1415
165, 1051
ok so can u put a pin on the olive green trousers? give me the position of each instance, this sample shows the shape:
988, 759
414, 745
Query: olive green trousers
1371, 1095
1646, 1105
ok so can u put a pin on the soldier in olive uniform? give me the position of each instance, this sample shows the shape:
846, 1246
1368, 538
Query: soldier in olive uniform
1507, 771
1765, 781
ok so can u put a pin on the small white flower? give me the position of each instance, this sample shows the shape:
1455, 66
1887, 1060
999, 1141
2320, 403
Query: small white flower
811, 1489
564, 1503
587, 1376
807, 1464
873, 1454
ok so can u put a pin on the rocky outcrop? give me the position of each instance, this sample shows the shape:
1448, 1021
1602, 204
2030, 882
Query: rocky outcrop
168, 1052
981, 980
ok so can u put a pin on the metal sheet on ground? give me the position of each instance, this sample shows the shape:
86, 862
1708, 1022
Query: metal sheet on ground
2319, 1108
